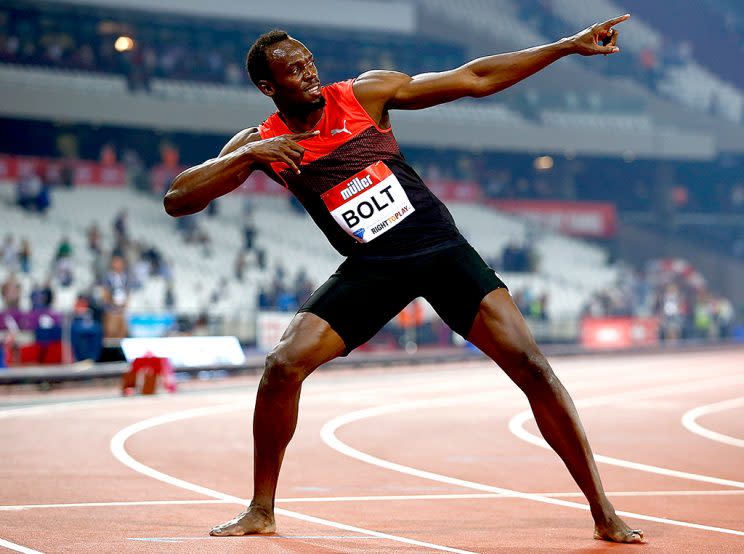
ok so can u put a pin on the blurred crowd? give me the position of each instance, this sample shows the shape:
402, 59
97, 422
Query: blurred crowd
672, 291
185, 49
283, 294
117, 271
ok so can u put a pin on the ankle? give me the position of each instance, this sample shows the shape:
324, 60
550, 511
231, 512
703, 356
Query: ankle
603, 512
264, 508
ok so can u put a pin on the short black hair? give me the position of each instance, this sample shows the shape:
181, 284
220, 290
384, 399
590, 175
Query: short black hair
256, 62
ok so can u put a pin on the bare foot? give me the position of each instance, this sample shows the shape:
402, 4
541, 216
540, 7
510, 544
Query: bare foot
253, 521
615, 529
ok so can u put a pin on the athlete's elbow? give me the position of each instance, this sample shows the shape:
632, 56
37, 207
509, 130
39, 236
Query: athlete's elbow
171, 204
486, 85
176, 205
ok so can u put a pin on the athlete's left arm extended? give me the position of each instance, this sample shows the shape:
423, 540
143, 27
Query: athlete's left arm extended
392, 90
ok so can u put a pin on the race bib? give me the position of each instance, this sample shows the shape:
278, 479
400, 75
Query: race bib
368, 204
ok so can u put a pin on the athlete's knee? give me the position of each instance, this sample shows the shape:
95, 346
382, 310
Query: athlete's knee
534, 371
281, 369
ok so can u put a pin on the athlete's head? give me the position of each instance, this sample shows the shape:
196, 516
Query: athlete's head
284, 69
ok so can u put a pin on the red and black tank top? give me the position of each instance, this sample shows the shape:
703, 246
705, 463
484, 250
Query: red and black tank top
358, 188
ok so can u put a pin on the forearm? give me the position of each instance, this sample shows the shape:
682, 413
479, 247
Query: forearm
495, 73
193, 189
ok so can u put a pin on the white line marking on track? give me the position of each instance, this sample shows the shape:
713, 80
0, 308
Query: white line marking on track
260, 537
18, 548
689, 420
109, 504
328, 434
725, 492
379, 498
516, 426
119, 451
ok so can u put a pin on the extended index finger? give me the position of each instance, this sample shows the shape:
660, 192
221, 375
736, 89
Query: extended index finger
609, 23
303, 135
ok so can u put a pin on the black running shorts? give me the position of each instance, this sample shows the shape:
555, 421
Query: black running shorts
364, 294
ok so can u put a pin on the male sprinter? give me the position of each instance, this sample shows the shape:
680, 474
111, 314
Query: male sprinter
399, 240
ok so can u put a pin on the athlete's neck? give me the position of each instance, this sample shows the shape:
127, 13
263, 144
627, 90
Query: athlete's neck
303, 117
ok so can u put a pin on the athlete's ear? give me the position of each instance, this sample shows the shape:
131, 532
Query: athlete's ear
266, 87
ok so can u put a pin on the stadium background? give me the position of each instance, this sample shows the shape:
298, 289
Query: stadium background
608, 192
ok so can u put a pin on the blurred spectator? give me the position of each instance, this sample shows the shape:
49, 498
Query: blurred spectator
153, 256
296, 205
24, 256
93, 235
672, 309
11, 292
9, 252
141, 270
86, 332
116, 288
239, 266
303, 287
279, 297
64, 249
63, 271
249, 226
169, 300
42, 296
249, 234
213, 208
32, 194
121, 228
517, 258
219, 292
136, 172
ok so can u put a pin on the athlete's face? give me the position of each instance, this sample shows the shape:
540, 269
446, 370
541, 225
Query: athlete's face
295, 77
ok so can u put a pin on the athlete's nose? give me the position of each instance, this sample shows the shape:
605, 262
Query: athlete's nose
311, 73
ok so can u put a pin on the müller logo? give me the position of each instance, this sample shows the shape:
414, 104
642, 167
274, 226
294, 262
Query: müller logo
355, 186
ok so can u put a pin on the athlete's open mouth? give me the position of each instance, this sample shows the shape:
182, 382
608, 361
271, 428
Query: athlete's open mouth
313, 89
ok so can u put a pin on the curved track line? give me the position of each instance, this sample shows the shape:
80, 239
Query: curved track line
689, 420
118, 449
17, 547
516, 426
328, 434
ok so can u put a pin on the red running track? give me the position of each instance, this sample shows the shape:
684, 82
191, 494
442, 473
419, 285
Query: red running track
425, 459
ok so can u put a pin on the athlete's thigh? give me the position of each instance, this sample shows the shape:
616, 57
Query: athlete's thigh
358, 300
457, 280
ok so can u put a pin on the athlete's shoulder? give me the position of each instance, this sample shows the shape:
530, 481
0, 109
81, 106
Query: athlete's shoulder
379, 80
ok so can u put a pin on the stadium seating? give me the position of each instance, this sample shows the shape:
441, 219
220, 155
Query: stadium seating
569, 269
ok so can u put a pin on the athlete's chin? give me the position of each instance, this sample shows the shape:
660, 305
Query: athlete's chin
316, 101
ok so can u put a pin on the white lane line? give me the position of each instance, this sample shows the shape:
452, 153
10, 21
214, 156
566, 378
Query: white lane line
259, 537
517, 423
724, 492
20, 507
119, 451
689, 420
18, 548
377, 498
328, 434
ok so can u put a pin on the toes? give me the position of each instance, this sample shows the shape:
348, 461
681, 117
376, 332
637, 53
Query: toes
629, 536
224, 530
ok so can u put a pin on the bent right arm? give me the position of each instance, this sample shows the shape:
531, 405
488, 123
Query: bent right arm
193, 189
